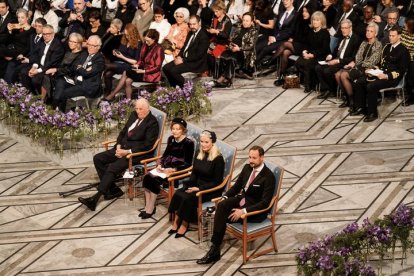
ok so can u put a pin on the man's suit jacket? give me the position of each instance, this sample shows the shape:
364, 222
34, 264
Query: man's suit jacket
4, 32
395, 63
196, 59
91, 75
143, 137
383, 31
284, 32
53, 57
259, 193
350, 51
74, 26
352, 16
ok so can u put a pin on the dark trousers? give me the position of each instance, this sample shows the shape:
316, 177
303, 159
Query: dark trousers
173, 73
63, 92
366, 93
263, 50
184, 204
223, 211
307, 66
108, 167
409, 88
326, 76
32, 83
14, 67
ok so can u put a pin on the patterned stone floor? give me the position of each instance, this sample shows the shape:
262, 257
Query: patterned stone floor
338, 170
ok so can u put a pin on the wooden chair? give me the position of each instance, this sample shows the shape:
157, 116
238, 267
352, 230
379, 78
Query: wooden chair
249, 231
229, 155
193, 132
156, 149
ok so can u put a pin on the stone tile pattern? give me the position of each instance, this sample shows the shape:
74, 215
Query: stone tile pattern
338, 170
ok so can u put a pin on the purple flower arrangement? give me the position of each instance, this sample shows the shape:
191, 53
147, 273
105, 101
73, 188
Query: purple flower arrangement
347, 252
191, 99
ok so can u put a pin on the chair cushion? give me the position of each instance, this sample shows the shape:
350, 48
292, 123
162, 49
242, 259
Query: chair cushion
251, 226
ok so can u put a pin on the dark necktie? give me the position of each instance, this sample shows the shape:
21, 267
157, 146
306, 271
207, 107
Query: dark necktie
37, 39
188, 44
1, 20
252, 177
132, 131
284, 19
342, 46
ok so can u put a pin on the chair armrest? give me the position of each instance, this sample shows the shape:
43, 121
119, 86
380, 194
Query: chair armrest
182, 171
145, 161
177, 177
217, 199
106, 143
259, 211
200, 193
129, 156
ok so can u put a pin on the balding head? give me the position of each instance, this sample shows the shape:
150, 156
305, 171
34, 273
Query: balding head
142, 108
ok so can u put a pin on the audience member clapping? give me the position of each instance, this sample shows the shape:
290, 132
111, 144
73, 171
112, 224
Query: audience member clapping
75, 20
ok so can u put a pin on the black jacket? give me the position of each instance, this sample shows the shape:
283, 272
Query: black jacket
195, 57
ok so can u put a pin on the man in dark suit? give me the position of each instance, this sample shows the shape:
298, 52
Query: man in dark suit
394, 63
283, 30
192, 57
50, 55
75, 20
343, 55
86, 76
6, 17
385, 27
347, 12
15, 66
252, 191
139, 134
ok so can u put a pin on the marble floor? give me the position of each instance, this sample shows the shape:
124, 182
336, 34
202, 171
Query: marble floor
337, 170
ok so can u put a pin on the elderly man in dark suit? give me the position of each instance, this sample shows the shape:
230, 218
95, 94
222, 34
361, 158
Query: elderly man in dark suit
139, 134
344, 54
192, 57
50, 55
86, 76
252, 191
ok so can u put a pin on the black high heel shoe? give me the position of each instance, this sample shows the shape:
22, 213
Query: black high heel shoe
172, 231
145, 215
177, 236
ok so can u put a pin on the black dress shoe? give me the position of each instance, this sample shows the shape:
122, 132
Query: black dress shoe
307, 90
177, 236
213, 255
344, 104
371, 117
89, 202
145, 215
172, 231
279, 82
356, 112
222, 84
324, 95
114, 193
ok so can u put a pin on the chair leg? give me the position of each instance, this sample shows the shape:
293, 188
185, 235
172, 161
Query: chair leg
274, 240
131, 188
244, 248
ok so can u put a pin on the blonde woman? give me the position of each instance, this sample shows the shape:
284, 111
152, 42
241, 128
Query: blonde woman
208, 170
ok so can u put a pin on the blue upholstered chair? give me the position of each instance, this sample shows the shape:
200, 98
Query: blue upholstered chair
229, 155
249, 231
148, 163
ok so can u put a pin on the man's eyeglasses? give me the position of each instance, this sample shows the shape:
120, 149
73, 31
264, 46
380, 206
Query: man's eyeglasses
92, 45
47, 33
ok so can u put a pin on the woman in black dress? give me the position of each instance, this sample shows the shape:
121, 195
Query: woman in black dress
125, 12
20, 37
208, 170
75, 48
95, 26
177, 156
316, 50
295, 44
